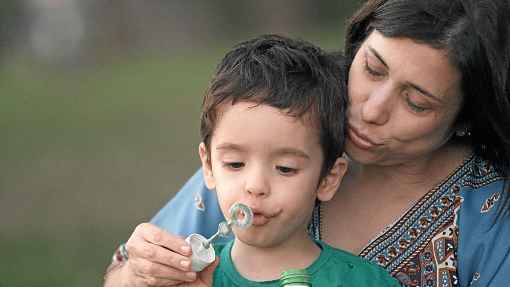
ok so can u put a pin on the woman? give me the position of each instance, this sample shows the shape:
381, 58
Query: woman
426, 195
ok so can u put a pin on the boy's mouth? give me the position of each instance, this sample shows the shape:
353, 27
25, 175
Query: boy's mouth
261, 218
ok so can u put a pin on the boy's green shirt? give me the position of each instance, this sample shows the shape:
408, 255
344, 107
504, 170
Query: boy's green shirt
333, 268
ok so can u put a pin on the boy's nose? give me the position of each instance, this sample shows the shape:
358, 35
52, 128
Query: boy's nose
256, 184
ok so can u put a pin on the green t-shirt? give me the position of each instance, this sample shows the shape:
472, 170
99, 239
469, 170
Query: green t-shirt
333, 268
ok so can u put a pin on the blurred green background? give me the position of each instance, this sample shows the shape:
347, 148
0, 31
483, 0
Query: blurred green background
99, 117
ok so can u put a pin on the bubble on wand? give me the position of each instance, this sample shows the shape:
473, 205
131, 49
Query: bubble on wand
241, 216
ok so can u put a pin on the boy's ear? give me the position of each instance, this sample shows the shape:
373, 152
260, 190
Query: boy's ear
206, 166
331, 182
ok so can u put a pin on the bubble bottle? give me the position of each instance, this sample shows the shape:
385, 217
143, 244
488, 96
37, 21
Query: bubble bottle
295, 278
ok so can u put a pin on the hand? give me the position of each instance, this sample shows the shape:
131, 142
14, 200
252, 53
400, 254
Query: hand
157, 258
205, 277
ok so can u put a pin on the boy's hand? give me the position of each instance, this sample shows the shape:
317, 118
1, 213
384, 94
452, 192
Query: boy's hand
204, 278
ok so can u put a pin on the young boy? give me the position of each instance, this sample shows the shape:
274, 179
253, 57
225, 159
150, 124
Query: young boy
272, 131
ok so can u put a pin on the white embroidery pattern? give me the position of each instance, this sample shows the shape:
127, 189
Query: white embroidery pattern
490, 202
199, 202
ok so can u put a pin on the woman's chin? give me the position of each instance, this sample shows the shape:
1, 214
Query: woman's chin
361, 156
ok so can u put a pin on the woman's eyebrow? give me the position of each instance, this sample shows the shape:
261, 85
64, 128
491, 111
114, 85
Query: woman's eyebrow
424, 92
414, 86
377, 55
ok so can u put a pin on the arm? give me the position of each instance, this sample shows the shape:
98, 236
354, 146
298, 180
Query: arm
484, 230
194, 209
155, 249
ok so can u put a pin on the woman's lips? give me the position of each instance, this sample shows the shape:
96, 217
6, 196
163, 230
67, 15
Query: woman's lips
361, 140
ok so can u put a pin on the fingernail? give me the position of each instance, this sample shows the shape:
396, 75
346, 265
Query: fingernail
185, 248
185, 263
191, 275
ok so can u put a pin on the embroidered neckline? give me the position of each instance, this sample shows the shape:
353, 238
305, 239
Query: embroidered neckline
380, 236
414, 206
420, 247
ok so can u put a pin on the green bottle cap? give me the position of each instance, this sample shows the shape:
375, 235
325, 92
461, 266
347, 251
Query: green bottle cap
295, 276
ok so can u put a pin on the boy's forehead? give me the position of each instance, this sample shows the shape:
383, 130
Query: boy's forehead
236, 110
308, 118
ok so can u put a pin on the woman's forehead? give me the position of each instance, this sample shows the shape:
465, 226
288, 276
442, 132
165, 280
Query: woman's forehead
408, 61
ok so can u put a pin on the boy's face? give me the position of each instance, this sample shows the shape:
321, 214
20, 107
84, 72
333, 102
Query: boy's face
271, 162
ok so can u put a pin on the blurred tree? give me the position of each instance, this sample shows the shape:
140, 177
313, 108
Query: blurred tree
11, 23
56, 30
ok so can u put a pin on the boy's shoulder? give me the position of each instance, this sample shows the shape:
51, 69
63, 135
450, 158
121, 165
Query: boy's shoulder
349, 269
334, 267
219, 246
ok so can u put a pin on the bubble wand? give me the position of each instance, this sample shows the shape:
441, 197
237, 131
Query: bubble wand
203, 254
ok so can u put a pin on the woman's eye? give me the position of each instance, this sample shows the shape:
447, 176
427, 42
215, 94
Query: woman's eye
284, 170
415, 107
371, 71
234, 165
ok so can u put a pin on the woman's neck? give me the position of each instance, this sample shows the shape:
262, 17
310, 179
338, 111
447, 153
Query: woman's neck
386, 191
299, 252
415, 175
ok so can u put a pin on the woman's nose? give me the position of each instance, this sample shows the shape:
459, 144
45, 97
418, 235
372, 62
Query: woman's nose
378, 106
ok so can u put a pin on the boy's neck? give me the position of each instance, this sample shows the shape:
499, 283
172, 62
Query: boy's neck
299, 252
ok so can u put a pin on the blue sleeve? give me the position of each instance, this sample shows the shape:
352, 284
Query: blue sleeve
194, 209
484, 237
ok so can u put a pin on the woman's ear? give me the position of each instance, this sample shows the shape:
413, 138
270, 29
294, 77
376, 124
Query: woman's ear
331, 182
206, 166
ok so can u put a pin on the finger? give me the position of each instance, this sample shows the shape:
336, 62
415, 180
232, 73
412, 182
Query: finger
158, 236
156, 282
206, 275
160, 273
157, 254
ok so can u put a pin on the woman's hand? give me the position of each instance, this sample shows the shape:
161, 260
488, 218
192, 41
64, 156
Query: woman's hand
205, 277
157, 258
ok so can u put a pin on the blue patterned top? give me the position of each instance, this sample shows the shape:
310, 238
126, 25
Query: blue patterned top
458, 234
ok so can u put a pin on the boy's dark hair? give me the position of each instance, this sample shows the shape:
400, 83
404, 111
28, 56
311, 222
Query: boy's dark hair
290, 75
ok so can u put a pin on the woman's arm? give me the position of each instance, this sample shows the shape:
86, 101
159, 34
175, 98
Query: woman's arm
484, 236
155, 249
194, 209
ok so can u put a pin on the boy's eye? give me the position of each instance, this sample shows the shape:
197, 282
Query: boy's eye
234, 165
285, 170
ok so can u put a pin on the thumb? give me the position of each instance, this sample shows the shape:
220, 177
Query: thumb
206, 275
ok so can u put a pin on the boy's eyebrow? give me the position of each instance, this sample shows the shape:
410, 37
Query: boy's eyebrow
292, 151
229, 146
278, 152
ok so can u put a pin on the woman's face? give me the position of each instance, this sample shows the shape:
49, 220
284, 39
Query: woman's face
404, 97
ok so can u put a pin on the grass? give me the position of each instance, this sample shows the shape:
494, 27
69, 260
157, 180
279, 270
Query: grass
62, 260
73, 143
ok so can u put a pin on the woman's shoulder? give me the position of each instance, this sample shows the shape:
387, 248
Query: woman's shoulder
480, 186
483, 226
